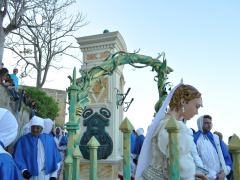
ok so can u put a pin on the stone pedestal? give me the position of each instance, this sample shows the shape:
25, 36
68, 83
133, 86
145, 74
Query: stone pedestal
103, 94
106, 170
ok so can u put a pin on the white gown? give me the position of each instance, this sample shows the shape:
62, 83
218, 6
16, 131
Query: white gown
41, 164
160, 147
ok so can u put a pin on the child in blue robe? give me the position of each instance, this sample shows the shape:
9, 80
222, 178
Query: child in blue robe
36, 153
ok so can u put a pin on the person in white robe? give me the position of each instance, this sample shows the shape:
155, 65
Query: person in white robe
8, 133
212, 150
61, 142
36, 153
184, 102
48, 126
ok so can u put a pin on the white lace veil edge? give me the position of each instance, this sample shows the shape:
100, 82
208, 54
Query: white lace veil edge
145, 156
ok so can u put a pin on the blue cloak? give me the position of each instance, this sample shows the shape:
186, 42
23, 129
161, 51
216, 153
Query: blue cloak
138, 144
224, 148
8, 168
25, 153
133, 141
63, 141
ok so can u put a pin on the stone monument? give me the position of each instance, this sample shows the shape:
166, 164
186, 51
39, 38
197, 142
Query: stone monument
102, 117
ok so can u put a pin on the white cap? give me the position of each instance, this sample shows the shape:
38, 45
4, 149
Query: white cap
140, 131
8, 127
48, 125
37, 121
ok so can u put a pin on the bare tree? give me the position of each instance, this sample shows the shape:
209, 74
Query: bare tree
44, 36
11, 12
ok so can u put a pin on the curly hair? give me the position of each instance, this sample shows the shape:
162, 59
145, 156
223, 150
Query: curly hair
185, 92
3, 71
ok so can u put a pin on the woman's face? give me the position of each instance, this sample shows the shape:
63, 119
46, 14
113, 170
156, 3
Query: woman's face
191, 108
5, 76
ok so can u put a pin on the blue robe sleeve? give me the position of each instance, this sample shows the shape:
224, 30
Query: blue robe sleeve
19, 155
25, 153
138, 145
226, 154
8, 169
63, 141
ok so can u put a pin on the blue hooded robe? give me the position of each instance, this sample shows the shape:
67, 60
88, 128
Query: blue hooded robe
8, 168
25, 153
224, 148
138, 144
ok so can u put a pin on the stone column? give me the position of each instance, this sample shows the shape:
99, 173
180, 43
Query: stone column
103, 94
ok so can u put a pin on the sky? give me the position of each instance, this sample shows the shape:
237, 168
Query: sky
201, 40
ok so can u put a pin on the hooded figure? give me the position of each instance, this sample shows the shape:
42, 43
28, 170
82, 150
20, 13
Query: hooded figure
8, 132
48, 125
139, 141
61, 142
211, 149
36, 153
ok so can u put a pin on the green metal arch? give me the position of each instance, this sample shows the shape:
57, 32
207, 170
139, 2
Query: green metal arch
78, 97
111, 63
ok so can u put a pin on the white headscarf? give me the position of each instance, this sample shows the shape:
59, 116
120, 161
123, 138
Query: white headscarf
146, 151
37, 121
48, 125
8, 127
60, 131
140, 131
200, 123
26, 129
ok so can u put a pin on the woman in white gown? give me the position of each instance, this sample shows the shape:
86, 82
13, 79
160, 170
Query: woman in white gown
184, 102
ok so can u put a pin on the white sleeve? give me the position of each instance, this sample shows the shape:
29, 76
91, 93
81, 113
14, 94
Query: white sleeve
185, 144
54, 174
62, 148
195, 155
196, 158
228, 170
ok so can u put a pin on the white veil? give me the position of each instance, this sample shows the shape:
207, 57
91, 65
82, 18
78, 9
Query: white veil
200, 123
146, 151
8, 127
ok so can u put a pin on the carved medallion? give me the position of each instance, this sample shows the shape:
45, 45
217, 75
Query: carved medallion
96, 123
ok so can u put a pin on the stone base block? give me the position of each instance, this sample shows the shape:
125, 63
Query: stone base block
106, 170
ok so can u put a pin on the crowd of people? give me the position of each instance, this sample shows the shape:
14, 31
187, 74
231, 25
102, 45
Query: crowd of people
10, 82
202, 155
39, 152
